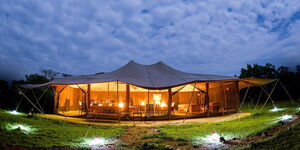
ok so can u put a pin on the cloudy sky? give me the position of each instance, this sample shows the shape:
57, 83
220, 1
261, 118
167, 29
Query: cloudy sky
205, 36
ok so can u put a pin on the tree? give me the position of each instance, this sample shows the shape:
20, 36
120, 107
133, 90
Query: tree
258, 71
48, 73
36, 79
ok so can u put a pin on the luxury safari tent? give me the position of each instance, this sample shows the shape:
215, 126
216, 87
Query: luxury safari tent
137, 90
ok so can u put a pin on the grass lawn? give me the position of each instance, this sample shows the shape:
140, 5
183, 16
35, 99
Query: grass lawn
239, 128
289, 139
44, 133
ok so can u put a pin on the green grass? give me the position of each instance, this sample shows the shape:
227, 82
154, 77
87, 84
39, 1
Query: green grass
49, 133
290, 139
239, 128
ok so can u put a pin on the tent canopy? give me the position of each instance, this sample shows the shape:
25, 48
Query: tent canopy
155, 76
246, 82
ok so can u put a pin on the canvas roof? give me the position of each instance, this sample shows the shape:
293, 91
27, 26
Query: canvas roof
154, 76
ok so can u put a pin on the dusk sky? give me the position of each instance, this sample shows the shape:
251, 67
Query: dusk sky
205, 36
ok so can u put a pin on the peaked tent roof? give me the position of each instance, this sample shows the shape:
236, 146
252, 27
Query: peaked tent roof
155, 76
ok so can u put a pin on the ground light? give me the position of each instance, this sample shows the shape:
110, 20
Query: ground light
213, 138
14, 112
275, 109
286, 117
22, 127
97, 141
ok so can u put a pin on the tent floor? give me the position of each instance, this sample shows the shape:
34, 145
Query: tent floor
80, 120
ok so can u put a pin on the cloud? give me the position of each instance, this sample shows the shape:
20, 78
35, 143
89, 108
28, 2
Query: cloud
78, 37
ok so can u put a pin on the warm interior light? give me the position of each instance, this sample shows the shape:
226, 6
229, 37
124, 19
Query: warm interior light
121, 104
173, 104
80, 103
163, 104
143, 103
100, 104
157, 98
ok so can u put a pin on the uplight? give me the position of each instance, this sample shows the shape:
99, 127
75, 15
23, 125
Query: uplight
275, 109
143, 103
213, 138
97, 141
286, 117
14, 112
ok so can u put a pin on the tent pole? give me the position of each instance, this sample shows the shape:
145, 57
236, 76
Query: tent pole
191, 96
127, 97
30, 101
169, 102
258, 100
37, 102
286, 91
207, 98
89, 94
118, 101
269, 96
245, 96
20, 101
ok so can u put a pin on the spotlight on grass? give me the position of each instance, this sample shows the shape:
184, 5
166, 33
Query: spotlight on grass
286, 118
275, 109
213, 138
22, 127
97, 141
14, 112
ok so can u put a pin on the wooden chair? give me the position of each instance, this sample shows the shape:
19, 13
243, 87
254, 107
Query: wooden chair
149, 111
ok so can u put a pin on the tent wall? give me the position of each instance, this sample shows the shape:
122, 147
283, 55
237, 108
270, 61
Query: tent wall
113, 94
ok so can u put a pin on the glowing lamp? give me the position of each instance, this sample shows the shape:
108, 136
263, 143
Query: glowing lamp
121, 105
100, 104
157, 98
163, 104
80, 103
143, 103
173, 104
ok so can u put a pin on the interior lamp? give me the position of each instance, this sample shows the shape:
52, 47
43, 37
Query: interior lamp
157, 98
143, 103
121, 105
163, 104
173, 104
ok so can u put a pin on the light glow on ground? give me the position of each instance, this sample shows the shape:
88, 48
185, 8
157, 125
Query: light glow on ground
275, 109
97, 141
23, 127
14, 112
286, 117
